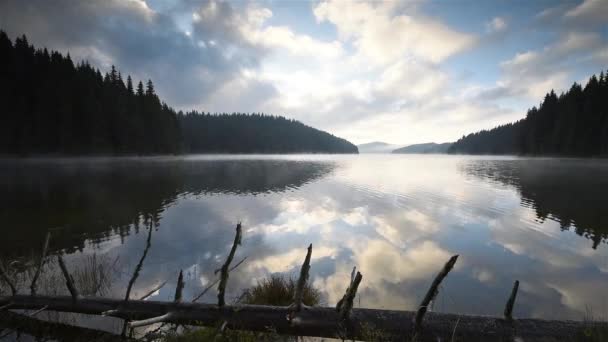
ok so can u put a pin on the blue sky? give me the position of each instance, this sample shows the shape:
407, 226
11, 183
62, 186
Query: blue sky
397, 71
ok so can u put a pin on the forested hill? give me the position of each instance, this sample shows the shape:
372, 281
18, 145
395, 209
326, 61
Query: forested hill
49, 105
574, 123
255, 133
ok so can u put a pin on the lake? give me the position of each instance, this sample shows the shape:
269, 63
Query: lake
397, 218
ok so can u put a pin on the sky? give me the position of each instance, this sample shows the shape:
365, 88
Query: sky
401, 72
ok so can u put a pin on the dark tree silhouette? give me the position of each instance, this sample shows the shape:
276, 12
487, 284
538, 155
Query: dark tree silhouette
575, 123
255, 133
51, 106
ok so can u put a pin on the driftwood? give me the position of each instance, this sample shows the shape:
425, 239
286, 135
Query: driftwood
50, 330
301, 284
345, 304
317, 321
511, 301
344, 321
69, 281
221, 289
431, 294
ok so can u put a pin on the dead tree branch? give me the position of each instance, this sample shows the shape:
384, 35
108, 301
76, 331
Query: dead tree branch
69, 281
40, 264
431, 294
217, 281
509, 307
153, 290
140, 263
224, 270
7, 279
317, 321
301, 284
180, 287
345, 305
170, 314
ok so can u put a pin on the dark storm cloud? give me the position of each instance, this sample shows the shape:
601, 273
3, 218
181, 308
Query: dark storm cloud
147, 44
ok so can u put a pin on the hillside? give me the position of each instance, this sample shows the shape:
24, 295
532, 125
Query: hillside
575, 123
427, 148
52, 106
255, 133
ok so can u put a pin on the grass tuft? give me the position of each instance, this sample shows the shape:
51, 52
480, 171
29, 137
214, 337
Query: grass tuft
278, 290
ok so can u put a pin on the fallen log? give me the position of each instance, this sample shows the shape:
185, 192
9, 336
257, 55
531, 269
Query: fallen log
38, 328
320, 321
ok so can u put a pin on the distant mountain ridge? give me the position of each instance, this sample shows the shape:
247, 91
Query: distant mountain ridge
376, 147
426, 148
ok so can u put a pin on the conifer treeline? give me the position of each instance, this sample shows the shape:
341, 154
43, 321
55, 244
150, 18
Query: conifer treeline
49, 105
574, 123
255, 133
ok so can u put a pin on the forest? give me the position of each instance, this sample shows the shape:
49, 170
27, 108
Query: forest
574, 123
53, 106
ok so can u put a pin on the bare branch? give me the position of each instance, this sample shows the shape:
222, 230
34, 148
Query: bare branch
432, 293
7, 279
110, 312
299, 293
153, 290
6, 306
69, 281
38, 311
511, 301
217, 281
140, 264
179, 288
153, 320
224, 270
345, 305
40, 264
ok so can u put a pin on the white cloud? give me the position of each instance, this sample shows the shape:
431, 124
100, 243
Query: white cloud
383, 37
497, 24
590, 11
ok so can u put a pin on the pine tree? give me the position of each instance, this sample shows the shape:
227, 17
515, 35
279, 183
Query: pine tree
140, 89
129, 85
150, 88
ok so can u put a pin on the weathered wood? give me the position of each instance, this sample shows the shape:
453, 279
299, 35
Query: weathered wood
7, 279
158, 319
221, 289
46, 330
151, 292
345, 305
509, 307
38, 311
69, 281
431, 294
45, 247
301, 284
179, 288
320, 321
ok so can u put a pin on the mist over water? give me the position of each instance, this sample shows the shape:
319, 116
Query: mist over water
398, 218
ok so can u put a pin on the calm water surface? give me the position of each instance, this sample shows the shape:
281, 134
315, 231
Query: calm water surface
398, 218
